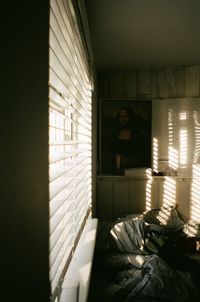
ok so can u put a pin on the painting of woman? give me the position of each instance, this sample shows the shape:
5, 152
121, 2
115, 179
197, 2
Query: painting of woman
125, 136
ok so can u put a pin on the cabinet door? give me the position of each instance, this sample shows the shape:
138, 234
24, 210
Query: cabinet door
137, 196
182, 195
167, 192
104, 199
151, 194
120, 198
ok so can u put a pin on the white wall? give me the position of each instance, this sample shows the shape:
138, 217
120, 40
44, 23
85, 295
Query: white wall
169, 118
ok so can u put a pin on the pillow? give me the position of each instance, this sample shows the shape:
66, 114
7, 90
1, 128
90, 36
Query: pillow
129, 236
167, 217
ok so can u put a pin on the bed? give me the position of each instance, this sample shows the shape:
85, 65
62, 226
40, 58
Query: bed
153, 256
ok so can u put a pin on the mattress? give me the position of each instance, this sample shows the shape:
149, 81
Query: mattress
141, 257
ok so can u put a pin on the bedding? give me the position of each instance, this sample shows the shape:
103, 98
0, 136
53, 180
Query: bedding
147, 257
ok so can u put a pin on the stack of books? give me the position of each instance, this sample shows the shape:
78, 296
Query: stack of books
138, 172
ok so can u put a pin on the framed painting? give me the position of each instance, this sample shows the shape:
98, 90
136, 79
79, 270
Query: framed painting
124, 135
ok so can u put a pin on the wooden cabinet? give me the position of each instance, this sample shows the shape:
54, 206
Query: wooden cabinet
119, 196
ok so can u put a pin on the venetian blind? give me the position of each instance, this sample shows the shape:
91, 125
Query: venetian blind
69, 136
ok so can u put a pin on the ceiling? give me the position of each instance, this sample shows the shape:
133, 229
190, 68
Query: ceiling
128, 34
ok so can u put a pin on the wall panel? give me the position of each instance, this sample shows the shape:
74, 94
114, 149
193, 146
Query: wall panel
157, 83
192, 81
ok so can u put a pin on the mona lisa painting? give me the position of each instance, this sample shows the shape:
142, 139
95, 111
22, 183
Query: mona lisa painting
124, 135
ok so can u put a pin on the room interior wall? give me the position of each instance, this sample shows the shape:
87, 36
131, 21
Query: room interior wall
174, 85
24, 207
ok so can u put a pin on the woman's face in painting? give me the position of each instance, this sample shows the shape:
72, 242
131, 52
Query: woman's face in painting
123, 117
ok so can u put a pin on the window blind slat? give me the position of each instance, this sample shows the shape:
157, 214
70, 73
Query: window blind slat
61, 16
59, 84
58, 171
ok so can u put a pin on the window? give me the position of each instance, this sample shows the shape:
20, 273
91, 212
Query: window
70, 143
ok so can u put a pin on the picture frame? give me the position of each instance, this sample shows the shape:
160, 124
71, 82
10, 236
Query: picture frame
124, 133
